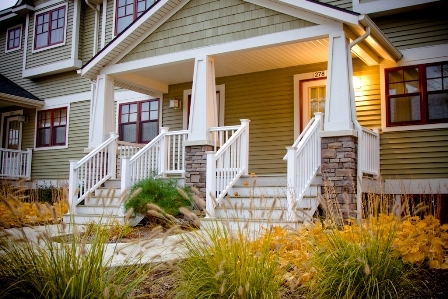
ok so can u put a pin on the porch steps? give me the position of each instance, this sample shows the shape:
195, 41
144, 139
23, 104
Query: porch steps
104, 206
259, 202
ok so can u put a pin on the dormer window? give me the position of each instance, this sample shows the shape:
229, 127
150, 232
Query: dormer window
14, 36
50, 28
129, 10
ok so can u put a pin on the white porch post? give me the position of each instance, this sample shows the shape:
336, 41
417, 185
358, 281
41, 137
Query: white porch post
102, 117
203, 113
337, 105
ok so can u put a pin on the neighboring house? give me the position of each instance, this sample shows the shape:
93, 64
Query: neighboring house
76, 70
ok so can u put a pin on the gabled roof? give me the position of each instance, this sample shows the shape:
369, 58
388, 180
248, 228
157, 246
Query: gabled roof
13, 92
162, 10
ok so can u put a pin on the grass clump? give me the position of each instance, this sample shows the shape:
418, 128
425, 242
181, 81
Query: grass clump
219, 264
41, 268
163, 193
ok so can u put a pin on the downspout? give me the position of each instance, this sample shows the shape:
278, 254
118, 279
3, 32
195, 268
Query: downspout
95, 33
356, 123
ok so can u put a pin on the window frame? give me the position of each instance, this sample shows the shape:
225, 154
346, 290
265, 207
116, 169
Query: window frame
138, 122
64, 30
38, 147
422, 93
8, 30
134, 14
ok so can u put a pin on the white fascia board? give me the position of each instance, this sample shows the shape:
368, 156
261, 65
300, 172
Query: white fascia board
385, 5
322, 10
22, 7
21, 101
122, 38
147, 33
273, 39
292, 11
13, 11
53, 68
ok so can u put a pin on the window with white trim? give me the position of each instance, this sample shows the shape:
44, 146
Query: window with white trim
139, 121
50, 28
417, 94
129, 10
13, 38
51, 127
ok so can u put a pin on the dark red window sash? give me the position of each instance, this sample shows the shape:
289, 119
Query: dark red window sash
423, 93
52, 128
13, 32
49, 28
134, 13
138, 123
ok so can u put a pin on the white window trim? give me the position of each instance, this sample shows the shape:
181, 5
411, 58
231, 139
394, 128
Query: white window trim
416, 56
127, 97
7, 38
66, 131
33, 50
4, 115
222, 104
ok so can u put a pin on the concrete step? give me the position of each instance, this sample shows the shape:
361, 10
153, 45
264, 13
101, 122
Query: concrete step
276, 180
99, 210
251, 213
104, 219
103, 201
116, 183
257, 192
247, 202
107, 192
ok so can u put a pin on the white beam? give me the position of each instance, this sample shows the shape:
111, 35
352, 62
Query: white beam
143, 82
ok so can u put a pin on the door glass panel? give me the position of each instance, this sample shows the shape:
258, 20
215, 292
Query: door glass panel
316, 99
12, 135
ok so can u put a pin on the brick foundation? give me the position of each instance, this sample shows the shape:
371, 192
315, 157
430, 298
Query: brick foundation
339, 172
196, 167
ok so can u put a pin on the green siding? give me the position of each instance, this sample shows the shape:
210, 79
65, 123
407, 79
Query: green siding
109, 21
421, 154
346, 4
54, 164
52, 55
207, 22
368, 97
173, 118
425, 27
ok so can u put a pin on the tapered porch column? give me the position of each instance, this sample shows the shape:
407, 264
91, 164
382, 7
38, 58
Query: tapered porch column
203, 116
339, 140
102, 116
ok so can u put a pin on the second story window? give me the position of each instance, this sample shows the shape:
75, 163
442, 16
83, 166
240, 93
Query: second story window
129, 10
13, 35
50, 28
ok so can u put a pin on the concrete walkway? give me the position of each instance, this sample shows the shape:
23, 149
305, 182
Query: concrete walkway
145, 251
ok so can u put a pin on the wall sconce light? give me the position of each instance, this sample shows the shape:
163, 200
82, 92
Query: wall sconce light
22, 119
356, 82
175, 103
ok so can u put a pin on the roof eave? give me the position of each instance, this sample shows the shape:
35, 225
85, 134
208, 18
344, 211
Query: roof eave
22, 100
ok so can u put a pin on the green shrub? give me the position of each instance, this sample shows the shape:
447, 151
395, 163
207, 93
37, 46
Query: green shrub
160, 192
43, 268
359, 263
220, 265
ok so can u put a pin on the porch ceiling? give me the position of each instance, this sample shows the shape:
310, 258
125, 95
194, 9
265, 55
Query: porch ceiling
243, 62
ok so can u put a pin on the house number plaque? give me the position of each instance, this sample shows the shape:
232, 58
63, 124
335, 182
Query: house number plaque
320, 74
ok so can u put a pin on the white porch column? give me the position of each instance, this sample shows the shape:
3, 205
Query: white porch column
203, 113
337, 106
102, 116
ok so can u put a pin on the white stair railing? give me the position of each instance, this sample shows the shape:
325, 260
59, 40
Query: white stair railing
220, 135
370, 152
87, 174
164, 155
15, 164
128, 149
304, 160
227, 165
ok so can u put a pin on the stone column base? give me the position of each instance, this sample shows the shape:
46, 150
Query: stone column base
339, 159
196, 167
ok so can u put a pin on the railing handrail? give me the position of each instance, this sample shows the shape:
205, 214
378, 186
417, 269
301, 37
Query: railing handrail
229, 142
181, 132
12, 150
307, 136
225, 128
149, 145
119, 142
96, 150
307, 128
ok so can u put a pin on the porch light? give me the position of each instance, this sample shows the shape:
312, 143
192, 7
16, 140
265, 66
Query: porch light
175, 103
22, 119
356, 82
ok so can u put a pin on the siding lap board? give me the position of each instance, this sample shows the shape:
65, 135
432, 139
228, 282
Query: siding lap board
202, 23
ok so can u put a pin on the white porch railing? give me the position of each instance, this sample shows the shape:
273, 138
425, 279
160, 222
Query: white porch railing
304, 160
220, 135
369, 146
128, 149
226, 166
164, 155
94, 169
15, 163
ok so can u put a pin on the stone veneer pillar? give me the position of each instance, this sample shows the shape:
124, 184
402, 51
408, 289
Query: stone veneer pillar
196, 167
339, 172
